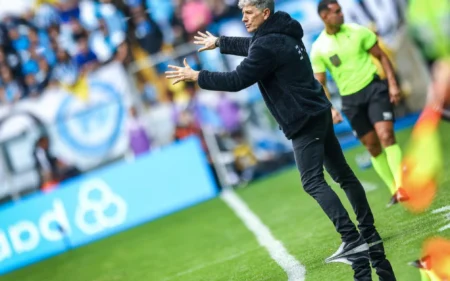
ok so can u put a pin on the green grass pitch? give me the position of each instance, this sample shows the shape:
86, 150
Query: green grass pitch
208, 242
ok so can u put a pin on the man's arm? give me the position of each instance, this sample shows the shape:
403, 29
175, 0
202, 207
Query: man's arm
228, 45
237, 46
259, 63
394, 90
322, 78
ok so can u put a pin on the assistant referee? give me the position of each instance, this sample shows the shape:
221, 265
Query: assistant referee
367, 101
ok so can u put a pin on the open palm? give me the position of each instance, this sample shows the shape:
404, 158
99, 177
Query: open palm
208, 41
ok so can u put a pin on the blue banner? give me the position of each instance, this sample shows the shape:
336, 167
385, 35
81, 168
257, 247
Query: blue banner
104, 202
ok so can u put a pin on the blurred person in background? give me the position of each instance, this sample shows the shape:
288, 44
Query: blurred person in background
179, 31
146, 31
40, 41
50, 168
65, 70
276, 59
229, 112
13, 89
245, 161
196, 15
32, 85
367, 101
3, 99
85, 59
108, 46
140, 142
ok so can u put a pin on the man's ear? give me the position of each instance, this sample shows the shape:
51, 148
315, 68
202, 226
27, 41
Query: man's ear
266, 13
323, 15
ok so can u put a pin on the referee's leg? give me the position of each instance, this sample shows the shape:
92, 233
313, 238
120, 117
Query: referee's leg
381, 115
340, 171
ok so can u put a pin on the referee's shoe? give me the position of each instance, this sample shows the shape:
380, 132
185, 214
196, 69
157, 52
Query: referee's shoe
350, 252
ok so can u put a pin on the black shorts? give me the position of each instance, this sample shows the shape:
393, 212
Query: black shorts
368, 106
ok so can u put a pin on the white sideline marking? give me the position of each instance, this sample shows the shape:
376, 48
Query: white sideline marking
293, 268
446, 216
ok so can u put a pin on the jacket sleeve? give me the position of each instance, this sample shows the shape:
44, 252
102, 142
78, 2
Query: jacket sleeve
234, 45
259, 63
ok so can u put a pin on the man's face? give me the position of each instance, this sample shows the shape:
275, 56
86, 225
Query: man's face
334, 15
253, 18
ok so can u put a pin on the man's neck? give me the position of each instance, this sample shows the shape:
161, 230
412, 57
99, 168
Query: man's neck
332, 29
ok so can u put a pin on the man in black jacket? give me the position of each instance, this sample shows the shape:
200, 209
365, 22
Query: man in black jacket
276, 59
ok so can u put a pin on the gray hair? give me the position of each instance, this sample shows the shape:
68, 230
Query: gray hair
260, 4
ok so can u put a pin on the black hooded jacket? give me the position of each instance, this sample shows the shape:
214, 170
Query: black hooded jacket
277, 60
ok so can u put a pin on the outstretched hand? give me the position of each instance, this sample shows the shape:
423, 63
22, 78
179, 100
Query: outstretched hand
208, 41
337, 117
179, 74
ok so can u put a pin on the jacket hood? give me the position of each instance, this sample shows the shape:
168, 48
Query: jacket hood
280, 23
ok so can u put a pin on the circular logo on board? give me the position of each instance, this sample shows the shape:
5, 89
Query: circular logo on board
91, 127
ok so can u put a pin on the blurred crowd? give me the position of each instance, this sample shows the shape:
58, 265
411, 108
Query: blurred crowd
59, 41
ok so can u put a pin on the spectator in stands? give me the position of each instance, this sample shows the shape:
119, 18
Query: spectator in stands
40, 41
19, 39
68, 9
33, 89
147, 33
179, 31
187, 127
140, 142
51, 169
196, 15
53, 33
10, 58
245, 161
45, 16
85, 59
229, 113
108, 46
65, 70
3, 99
44, 73
12, 89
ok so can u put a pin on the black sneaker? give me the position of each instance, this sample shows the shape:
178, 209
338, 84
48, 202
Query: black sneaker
350, 252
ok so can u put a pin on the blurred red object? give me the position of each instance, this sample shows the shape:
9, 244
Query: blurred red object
436, 253
49, 186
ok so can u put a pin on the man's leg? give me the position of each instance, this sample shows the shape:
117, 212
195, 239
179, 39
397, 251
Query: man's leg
309, 156
356, 108
381, 115
379, 159
337, 167
385, 132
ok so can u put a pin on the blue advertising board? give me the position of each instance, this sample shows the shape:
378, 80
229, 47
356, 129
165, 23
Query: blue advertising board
104, 202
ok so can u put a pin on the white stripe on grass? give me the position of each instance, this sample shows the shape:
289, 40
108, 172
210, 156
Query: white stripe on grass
293, 268
203, 266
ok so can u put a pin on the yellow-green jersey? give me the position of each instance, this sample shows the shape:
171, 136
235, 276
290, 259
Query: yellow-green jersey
346, 56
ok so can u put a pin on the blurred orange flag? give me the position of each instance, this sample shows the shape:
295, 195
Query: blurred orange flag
422, 163
435, 262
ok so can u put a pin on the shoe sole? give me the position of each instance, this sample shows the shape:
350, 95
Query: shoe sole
346, 260
359, 249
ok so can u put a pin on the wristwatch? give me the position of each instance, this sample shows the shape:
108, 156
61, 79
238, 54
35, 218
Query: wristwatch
217, 43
